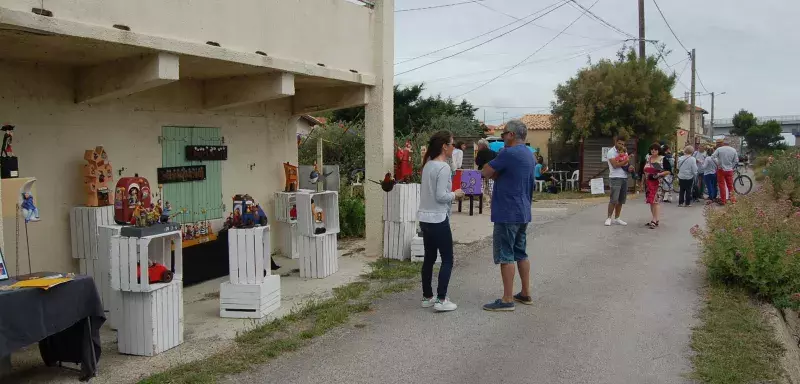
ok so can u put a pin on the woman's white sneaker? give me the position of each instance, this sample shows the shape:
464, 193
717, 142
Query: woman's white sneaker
444, 305
427, 303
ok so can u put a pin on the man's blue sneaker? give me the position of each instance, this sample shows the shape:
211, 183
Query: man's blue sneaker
523, 299
499, 305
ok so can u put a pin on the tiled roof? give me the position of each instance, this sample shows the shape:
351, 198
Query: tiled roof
534, 122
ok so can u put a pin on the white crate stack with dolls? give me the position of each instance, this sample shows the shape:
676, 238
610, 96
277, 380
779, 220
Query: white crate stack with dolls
252, 292
318, 227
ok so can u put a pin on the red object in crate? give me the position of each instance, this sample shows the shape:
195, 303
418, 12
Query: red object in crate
129, 192
157, 273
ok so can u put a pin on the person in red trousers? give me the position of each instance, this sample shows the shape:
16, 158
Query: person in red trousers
727, 159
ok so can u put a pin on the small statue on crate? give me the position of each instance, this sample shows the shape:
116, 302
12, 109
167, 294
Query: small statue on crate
319, 218
165, 213
8, 138
293, 212
156, 272
97, 175
203, 229
9, 164
403, 169
29, 210
292, 184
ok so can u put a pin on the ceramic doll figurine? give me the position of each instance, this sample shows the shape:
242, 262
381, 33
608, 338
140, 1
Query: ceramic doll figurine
8, 137
29, 210
319, 218
293, 212
165, 213
403, 170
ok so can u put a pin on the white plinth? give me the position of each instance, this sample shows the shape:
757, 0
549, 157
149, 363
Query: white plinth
250, 301
248, 255
319, 256
418, 251
397, 239
83, 224
288, 240
129, 254
328, 201
151, 322
100, 271
402, 203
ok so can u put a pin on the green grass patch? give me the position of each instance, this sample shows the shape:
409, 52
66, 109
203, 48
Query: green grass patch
298, 328
735, 344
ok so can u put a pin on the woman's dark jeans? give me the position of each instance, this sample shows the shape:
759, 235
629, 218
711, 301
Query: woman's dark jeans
437, 237
685, 191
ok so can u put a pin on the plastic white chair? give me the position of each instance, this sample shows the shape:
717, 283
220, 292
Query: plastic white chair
574, 180
540, 185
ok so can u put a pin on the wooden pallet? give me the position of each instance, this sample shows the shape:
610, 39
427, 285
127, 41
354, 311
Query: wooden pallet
83, 225
397, 239
288, 240
151, 322
319, 256
402, 203
250, 301
249, 254
129, 254
328, 201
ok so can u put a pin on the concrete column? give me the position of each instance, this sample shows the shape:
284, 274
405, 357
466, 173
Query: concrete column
379, 136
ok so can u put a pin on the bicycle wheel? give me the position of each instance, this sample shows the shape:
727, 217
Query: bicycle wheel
676, 186
742, 184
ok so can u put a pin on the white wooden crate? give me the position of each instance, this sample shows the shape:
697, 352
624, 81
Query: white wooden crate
402, 203
131, 253
250, 301
83, 224
328, 201
151, 322
397, 239
319, 256
283, 205
288, 243
418, 250
112, 299
248, 254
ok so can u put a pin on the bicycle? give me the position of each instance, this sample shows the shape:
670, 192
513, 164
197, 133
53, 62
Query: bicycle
742, 184
670, 180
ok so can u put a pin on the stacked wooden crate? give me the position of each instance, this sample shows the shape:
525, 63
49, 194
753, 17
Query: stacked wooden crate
87, 247
319, 256
418, 250
112, 299
284, 201
252, 292
400, 221
151, 315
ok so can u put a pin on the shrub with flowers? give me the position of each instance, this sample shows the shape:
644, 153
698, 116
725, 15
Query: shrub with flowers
756, 243
786, 167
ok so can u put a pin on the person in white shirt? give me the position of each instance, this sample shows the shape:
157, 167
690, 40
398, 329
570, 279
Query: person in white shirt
687, 172
710, 176
700, 157
458, 156
617, 180
727, 159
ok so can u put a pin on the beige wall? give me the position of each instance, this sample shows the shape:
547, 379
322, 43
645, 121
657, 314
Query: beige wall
52, 133
538, 139
336, 33
685, 119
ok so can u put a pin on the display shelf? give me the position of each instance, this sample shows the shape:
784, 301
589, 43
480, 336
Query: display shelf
132, 254
402, 203
319, 256
151, 322
250, 301
100, 270
288, 243
283, 205
249, 254
328, 201
418, 251
83, 224
397, 239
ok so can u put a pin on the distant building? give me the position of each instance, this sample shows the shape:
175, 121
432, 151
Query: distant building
540, 129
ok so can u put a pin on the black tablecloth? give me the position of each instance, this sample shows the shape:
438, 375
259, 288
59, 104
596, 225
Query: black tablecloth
59, 319
205, 261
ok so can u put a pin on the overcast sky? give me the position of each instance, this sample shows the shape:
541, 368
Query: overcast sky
744, 48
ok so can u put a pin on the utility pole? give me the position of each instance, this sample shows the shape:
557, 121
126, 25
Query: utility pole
641, 31
710, 133
504, 117
692, 106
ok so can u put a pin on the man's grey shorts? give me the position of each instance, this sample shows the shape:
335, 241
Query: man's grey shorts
619, 190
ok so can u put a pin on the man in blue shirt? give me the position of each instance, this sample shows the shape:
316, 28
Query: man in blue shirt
512, 171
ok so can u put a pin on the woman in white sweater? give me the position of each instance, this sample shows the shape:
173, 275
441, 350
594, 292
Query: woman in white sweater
436, 199
687, 171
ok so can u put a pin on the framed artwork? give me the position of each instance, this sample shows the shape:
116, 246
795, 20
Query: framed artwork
3, 267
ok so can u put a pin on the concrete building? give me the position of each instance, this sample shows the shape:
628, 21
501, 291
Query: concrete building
682, 135
142, 77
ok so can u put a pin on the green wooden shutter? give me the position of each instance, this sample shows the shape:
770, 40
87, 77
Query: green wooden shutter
193, 196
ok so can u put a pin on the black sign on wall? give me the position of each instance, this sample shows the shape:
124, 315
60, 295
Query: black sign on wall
181, 174
206, 152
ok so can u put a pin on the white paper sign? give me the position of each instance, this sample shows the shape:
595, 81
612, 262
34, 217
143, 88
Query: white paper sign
604, 153
597, 186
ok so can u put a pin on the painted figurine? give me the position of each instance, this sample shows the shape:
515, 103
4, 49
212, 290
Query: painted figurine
8, 137
403, 169
291, 177
314, 176
165, 213
29, 210
319, 218
293, 212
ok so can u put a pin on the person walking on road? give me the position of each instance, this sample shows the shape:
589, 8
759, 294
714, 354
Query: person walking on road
710, 176
618, 162
727, 159
484, 156
687, 173
512, 171
656, 167
667, 153
436, 200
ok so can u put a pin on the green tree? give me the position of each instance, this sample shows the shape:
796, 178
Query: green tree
342, 144
764, 136
627, 97
742, 122
459, 126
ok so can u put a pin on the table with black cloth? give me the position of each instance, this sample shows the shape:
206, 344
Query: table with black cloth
206, 261
65, 320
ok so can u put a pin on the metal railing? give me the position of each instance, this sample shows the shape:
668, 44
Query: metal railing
780, 119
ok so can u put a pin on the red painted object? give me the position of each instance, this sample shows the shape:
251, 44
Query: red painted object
130, 192
457, 180
158, 273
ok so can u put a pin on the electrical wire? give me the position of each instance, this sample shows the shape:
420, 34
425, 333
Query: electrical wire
599, 19
532, 54
700, 80
682, 71
437, 6
485, 42
669, 26
479, 36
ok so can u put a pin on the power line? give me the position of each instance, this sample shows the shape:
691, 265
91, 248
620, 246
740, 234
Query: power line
682, 71
601, 20
485, 42
479, 36
437, 6
669, 26
700, 80
531, 55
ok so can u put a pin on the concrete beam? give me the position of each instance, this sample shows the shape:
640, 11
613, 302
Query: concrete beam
244, 90
124, 77
328, 99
